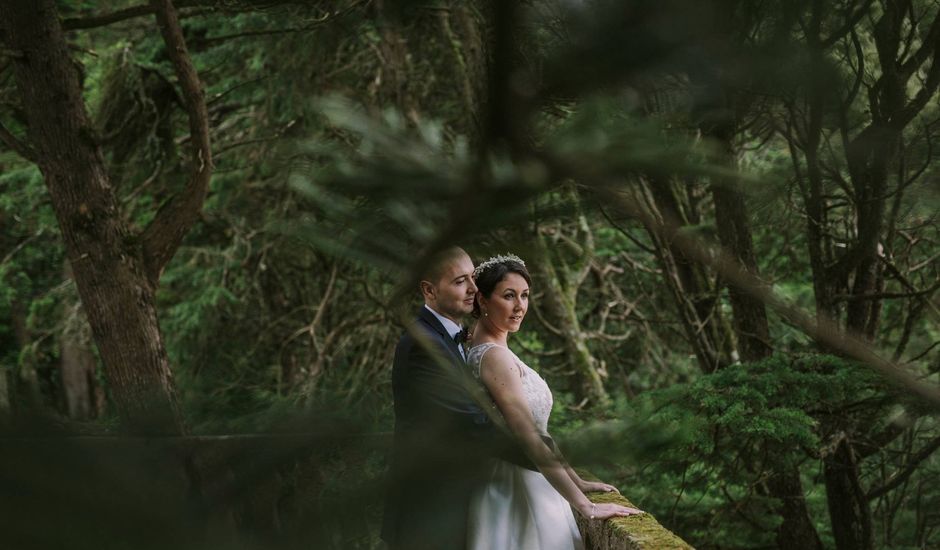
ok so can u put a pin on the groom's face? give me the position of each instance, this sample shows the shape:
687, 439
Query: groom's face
452, 293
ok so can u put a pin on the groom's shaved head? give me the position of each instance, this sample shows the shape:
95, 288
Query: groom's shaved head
447, 283
434, 267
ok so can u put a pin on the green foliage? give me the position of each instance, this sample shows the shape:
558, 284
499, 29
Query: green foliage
739, 425
771, 403
32, 298
350, 142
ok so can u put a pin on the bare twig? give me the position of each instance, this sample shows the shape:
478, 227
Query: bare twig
21, 245
20, 148
886, 295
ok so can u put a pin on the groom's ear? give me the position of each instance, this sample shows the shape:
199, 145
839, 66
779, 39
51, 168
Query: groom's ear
427, 289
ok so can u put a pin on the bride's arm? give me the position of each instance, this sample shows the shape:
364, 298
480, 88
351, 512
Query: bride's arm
501, 377
583, 485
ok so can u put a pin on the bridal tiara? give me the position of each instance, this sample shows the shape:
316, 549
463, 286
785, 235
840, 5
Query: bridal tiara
496, 260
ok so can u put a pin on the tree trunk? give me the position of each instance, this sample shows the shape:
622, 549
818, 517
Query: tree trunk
77, 365
4, 394
694, 280
689, 284
471, 49
561, 298
797, 530
565, 266
107, 262
25, 383
868, 157
848, 505
753, 338
694, 294
749, 314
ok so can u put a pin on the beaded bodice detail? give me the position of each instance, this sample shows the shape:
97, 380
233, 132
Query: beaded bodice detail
537, 392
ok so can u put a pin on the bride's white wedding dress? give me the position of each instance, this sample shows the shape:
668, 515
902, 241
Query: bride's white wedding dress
518, 508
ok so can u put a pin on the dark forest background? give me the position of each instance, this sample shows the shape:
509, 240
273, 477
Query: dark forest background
210, 227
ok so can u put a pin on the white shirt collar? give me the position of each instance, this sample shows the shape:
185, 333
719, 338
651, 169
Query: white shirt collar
451, 327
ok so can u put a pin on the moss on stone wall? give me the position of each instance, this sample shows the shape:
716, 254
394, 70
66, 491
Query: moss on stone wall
641, 532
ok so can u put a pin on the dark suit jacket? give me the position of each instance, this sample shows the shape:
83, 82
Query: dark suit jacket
442, 441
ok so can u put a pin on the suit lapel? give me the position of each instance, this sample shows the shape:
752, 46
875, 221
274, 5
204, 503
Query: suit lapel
431, 321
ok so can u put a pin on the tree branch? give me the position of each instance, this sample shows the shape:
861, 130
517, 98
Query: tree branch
896, 273
922, 354
928, 46
18, 147
902, 476
174, 219
929, 86
313, 25
545, 323
847, 26
886, 295
102, 20
871, 445
76, 23
623, 231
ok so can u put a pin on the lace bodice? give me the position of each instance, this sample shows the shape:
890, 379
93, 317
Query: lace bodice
537, 392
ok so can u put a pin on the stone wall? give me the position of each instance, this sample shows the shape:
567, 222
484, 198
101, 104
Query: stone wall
641, 532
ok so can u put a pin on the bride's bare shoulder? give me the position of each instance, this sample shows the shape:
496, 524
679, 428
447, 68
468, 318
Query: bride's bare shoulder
499, 360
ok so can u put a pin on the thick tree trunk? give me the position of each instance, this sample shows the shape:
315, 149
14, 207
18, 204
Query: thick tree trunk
106, 261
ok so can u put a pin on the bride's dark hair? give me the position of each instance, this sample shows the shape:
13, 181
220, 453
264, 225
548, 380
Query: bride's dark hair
492, 273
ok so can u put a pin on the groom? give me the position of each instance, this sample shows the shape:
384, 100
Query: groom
442, 436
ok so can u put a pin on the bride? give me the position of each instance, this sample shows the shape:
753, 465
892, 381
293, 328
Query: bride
516, 507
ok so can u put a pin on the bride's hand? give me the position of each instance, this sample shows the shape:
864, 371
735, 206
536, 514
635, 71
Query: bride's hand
597, 487
605, 510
